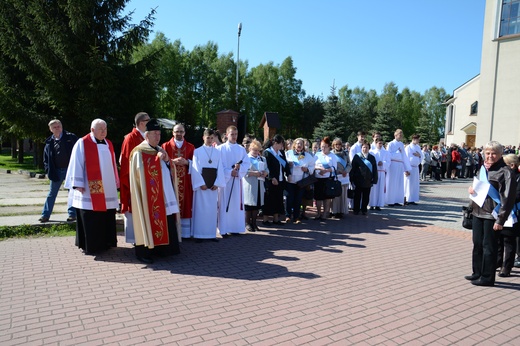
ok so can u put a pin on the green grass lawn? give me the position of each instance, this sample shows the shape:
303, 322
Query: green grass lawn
7, 162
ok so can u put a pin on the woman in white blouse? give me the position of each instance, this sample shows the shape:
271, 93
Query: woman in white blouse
325, 167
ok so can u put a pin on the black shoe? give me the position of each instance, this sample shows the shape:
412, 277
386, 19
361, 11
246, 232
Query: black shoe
372, 208
378, 209
145, 260
472, 277
71, 218
412, 203
397, 205
482, 283
225, 235
43, 219
505, 273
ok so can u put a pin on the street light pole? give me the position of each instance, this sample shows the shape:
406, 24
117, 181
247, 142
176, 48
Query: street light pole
238, 58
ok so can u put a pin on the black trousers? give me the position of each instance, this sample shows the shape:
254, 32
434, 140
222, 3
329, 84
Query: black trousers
506, 251
96, 230
485, 249
173, 248
361, 197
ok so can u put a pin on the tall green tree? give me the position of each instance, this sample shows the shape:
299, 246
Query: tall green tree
312, 113
386, 120
332, 124
433, 113
74, 57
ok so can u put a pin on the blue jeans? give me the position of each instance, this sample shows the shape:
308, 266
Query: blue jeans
53, 192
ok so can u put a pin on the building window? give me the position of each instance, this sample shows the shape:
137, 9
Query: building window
449, 126
510, 18
474, 108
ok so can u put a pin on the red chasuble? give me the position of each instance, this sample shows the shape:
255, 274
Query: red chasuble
131, 140
155, 198
95, 180
185, 189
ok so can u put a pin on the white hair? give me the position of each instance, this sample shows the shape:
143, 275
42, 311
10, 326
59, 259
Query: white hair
97, 121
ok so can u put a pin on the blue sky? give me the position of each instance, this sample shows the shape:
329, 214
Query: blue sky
367, 43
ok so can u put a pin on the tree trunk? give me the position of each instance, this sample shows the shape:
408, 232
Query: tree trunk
20, 151
13, 146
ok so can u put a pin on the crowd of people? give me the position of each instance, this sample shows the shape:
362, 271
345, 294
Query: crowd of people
176, 191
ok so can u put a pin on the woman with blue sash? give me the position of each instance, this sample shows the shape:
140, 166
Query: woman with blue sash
507, 241
340, 203
486, 228
325, 166
363, 175
275, 181
253, 183
301, 164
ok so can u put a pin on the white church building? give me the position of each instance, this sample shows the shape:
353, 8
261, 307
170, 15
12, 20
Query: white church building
487, 107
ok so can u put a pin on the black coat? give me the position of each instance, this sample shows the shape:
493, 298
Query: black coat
515, 230
274, 166
68, 140
361, 175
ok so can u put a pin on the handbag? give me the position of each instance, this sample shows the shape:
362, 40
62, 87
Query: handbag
467, 217
333, 187
307, 181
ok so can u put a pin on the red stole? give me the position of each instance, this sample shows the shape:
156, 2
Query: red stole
95, 180
155, 198
184, 189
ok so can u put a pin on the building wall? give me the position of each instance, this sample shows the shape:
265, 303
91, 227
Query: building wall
499, 98
463, 97
497, 89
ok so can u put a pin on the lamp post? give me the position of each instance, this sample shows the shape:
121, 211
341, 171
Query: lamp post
238, 58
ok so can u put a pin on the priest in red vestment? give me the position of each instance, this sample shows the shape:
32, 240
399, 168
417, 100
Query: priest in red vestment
154, 204
180, 152
131, 140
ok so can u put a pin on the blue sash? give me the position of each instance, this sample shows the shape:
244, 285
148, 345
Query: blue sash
365, 161
341, 160
254, 161
282, 162
293, 158
493, 192
322, 161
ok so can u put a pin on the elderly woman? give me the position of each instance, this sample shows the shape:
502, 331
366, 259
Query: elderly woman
253, 183
486, 228
340, 204
325, 166
508, 236
301, 164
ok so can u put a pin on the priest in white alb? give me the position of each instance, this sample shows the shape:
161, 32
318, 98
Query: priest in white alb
92, 180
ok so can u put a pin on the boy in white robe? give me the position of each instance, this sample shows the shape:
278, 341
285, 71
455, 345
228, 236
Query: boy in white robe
377, 193
205, 198
398, 168
411, 182
231, 216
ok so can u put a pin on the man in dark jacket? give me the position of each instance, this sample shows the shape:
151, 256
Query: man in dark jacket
56, 156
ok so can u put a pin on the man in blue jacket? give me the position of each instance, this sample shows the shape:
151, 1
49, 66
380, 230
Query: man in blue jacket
56, 156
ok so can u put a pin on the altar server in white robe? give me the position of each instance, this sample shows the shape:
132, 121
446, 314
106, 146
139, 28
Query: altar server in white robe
231, 217
377, 193
411, 182
93, 181
206, 165
399, 167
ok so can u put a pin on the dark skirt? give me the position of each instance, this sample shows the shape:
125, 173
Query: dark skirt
319, 190
273, 199
96, 230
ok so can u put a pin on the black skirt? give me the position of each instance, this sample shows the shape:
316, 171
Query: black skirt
319, 189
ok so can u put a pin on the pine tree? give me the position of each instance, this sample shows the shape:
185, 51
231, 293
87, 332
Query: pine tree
332, 124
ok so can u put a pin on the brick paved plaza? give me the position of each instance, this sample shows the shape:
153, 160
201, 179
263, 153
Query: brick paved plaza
390, 278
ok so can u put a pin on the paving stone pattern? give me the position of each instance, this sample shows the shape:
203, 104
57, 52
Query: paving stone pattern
390, 278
